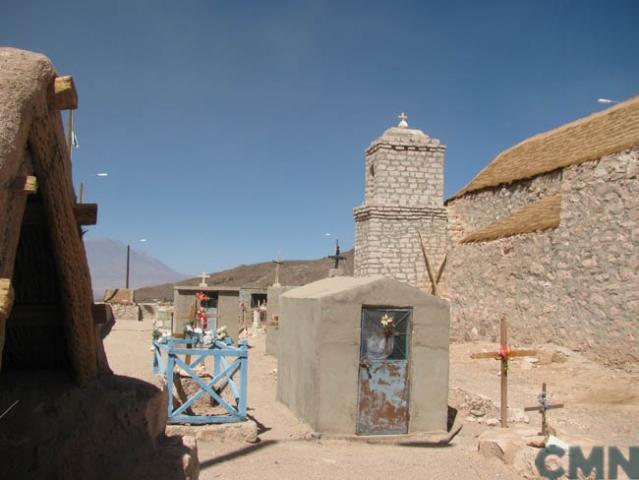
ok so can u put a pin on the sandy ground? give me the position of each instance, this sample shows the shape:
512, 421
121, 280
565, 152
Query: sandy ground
601, 404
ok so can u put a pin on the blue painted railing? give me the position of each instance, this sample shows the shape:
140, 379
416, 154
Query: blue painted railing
224, 371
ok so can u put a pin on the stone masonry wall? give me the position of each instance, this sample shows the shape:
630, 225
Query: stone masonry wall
387, 243
499, 202
577, 285
403, 195
405, 177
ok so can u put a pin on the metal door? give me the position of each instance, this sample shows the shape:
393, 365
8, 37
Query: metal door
384, 371
210, 306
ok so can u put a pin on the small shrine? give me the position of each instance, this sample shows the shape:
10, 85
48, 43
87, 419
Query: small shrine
365, 356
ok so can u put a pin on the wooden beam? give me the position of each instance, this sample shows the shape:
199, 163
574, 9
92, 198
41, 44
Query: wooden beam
6, 297
484, 355
25, 184
65, 95
85, 214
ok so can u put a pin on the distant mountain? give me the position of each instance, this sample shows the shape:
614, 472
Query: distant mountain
292, 272
107, 262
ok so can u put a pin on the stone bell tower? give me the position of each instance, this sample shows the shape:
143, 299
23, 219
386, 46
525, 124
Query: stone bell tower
403, 195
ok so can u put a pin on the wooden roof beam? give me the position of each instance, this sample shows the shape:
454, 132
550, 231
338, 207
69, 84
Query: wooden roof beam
85, 214
6, 298
65, 96
25, 184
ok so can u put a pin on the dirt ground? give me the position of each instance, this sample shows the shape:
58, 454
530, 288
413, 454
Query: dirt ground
601, 404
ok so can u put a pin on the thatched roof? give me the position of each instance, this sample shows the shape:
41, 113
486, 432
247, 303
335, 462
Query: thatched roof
41, 251
589, 138
541, 215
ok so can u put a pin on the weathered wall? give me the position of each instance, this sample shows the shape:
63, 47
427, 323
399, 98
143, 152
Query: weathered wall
577, 285
228, 313
126, 311
498, 202
273, 309
387, 243
397, 174
297, 363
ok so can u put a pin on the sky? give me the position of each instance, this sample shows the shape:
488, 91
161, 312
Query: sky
234, 131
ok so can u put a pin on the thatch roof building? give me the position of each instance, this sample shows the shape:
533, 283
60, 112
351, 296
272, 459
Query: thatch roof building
112, 427
46, 318
547, 235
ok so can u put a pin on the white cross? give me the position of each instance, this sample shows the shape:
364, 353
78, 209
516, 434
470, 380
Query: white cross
203, 276
403, 120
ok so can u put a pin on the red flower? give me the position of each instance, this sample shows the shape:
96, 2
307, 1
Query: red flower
202, 318
504, 352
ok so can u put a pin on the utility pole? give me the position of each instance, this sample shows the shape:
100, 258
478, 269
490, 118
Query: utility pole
128, 261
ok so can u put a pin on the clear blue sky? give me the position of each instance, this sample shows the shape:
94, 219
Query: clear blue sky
234, 130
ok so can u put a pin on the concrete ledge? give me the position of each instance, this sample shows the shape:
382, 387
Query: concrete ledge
411, 439
219, 433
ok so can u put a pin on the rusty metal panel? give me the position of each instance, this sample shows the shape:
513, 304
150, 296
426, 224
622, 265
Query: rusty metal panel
383, 398
383, 372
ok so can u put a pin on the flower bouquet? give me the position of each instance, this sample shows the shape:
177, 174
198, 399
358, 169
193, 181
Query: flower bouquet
388, 324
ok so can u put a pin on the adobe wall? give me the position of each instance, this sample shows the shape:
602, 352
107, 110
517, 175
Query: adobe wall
577, 285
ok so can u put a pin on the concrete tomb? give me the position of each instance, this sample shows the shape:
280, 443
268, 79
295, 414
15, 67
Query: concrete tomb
227, 306
365, 356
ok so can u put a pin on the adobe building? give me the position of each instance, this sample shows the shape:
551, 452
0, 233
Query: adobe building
548, 235
343, 372
64, 414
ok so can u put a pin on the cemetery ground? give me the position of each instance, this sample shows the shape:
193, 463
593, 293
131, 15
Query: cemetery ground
601, 407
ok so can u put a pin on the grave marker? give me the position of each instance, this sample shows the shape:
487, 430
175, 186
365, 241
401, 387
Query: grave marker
504, 354
543, 406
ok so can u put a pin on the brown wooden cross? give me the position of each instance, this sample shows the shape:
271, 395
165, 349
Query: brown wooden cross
542, 407
504, 354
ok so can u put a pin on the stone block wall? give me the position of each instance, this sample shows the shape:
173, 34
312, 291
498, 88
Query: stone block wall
576, 285
498, 202
403, 195
388, 244
405, 176
126, 311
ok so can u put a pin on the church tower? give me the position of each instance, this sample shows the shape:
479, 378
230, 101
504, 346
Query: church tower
403, 196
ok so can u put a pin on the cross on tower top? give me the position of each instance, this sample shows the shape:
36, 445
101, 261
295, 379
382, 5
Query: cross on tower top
403, 120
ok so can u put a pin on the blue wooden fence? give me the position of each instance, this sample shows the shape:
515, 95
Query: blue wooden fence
227, 362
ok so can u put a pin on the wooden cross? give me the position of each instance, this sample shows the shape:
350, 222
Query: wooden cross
203, 276
337, 257
277, 263
542, 398
504, 354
